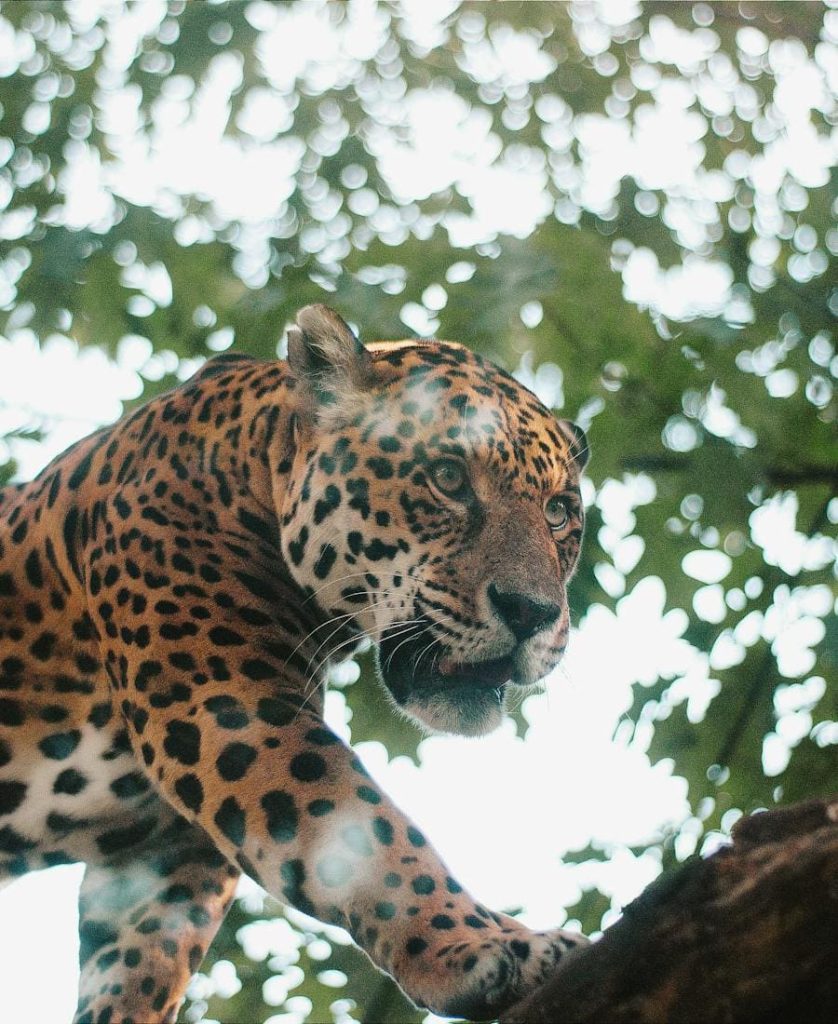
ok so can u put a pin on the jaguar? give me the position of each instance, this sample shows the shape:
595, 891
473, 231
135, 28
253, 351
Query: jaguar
173, 590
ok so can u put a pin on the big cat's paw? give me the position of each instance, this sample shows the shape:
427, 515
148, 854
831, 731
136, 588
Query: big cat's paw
554, 944
481, 980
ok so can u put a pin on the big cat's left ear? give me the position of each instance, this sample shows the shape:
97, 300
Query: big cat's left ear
326, 357
578, 442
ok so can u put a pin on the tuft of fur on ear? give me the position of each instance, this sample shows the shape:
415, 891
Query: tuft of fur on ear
325, 356
579, 447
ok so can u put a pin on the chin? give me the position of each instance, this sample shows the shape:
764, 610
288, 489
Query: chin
440, 694
461, 711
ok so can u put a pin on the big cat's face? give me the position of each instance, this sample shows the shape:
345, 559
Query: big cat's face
440, 514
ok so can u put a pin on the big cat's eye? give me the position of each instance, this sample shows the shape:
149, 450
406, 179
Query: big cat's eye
555, 512
449, 477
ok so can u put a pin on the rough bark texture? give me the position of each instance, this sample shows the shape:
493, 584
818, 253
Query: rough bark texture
748, 935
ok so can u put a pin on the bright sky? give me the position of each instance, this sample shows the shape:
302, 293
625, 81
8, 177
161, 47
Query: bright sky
501, 810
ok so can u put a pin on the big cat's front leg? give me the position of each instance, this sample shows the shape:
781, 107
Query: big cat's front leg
286, 800
221, 724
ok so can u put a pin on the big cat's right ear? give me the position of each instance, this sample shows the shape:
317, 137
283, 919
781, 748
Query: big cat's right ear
579, 448
326, 357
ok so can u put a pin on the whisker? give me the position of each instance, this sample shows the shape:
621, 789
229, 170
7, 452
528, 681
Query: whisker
355, 639
311, 633
422, 654
392, 653
312, 680
344, 616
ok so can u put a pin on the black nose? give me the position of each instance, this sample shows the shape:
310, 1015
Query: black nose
522, 614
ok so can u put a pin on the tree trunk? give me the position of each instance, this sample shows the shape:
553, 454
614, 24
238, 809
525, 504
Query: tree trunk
748, 935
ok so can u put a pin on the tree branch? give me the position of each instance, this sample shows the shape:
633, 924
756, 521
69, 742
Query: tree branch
748, 935
781, 476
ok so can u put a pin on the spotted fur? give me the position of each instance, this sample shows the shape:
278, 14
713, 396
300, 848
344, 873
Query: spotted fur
172, 590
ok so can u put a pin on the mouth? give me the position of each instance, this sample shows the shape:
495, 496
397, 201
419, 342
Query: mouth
439, 691
483, 674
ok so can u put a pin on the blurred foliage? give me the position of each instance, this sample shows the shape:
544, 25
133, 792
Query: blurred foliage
710, 410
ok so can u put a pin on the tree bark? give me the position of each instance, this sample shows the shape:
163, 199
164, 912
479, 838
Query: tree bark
748, 935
